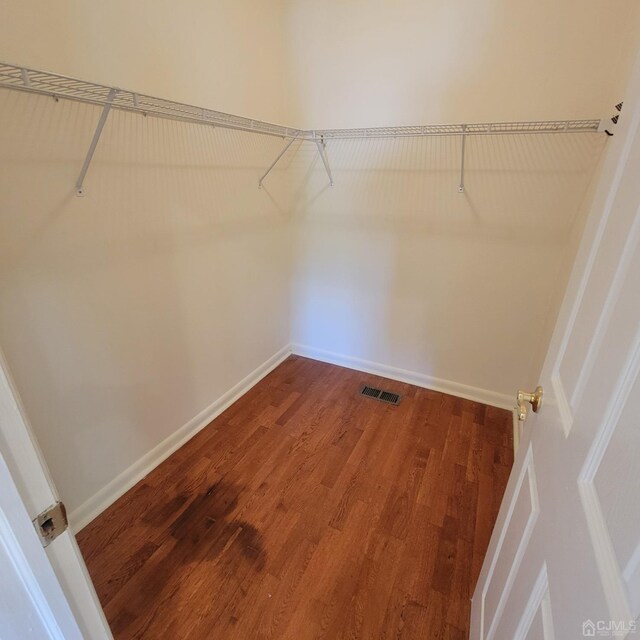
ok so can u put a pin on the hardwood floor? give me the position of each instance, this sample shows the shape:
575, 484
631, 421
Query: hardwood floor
308, 511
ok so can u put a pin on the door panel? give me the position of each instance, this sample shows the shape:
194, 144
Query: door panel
597, 290
609, 480
536, 622
579, 518
14, 596
518, 529
32, 604
619, 465
63, 572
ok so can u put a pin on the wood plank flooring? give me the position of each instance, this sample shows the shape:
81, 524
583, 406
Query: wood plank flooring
308, 511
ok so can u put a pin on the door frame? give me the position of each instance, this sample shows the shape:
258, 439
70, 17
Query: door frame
56, 577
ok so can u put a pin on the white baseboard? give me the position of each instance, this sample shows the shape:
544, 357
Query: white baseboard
95, 505
501, 400
86, 512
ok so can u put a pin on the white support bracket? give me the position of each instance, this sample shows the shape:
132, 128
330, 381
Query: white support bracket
275, 162
322, 149
94, 142
464, 139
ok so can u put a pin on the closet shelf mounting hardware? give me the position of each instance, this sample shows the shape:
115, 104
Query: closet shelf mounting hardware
94, 142
59, 86
322, 150
273, 164
464, 139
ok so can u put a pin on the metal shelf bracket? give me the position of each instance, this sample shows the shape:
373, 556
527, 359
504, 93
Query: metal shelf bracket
94, 142
58, 86
275, 162
464, 139
322, 150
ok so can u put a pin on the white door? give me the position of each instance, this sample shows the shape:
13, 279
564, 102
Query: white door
44, 593
32, 604
564, 558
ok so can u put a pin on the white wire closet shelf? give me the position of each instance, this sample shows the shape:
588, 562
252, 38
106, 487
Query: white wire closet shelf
486, 128
59, 86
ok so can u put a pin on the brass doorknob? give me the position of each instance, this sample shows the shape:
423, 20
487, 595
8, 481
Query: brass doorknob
534, 399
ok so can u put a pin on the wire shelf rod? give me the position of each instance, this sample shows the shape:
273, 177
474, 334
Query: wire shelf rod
60, 86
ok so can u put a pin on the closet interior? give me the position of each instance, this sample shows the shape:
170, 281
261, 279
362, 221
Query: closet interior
271, 370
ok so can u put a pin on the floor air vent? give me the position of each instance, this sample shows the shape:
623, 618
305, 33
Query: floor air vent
378, 394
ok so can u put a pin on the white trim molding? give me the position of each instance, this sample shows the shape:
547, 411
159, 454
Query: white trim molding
91, 508
485, 396
86, 512
529, 489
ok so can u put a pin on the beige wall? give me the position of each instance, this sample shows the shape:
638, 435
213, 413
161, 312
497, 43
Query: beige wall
388, 62
337, 63
396, 267
393, 265
125, 313
222, 54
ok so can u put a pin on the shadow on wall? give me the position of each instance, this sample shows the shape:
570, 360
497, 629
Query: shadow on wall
395, 266
392, 264
125, 313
